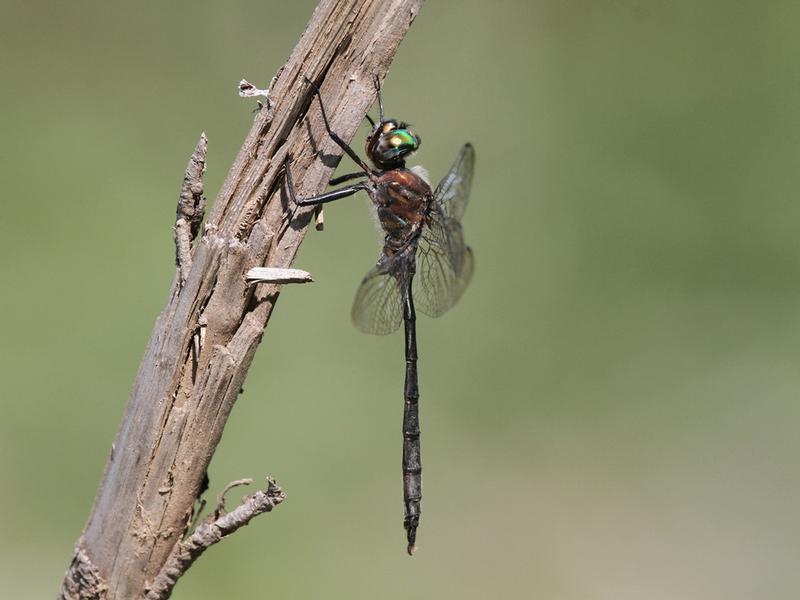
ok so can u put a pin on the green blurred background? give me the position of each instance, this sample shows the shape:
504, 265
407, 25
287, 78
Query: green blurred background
611, 412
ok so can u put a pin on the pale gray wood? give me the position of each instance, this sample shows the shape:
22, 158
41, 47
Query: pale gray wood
272, 275
204, 340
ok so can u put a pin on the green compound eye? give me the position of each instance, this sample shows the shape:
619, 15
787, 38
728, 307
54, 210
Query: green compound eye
390, 144
404, 140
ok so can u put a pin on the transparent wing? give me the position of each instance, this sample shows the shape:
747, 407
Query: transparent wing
378, 307
444, 265
452, 193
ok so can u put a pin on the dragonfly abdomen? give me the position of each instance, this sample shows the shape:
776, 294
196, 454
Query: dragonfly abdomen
412, 455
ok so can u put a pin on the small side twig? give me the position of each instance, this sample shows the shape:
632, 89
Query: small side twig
217, 526
221, 498
191, 207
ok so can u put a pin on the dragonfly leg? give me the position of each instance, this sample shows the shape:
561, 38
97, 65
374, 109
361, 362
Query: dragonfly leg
380, 102
322, 198
380, 99
346, 177
335, 137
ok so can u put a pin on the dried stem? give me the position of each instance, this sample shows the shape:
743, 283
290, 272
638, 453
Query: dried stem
204, 340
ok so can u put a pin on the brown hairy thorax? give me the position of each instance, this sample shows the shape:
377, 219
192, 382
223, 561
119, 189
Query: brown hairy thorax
403, 200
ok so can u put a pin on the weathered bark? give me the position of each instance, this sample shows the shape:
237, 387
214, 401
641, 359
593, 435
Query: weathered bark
204, 340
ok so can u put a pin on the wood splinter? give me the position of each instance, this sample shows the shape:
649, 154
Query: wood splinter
191, 208
319, 218
276, 275
248, 90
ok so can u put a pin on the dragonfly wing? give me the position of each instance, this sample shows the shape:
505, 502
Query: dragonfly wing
444, 265
452, 193
378, 307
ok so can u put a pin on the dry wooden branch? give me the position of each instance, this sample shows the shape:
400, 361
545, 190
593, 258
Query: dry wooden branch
217, 526
204, 340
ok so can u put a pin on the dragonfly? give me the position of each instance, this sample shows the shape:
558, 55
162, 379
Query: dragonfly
424, 263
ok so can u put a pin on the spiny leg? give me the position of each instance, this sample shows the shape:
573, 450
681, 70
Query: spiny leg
380, 99
322, 198
339, 141
346, 177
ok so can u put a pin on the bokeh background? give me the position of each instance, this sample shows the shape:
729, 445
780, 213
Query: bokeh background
611, 412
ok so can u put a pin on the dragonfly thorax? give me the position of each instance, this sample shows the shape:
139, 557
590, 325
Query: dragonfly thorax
390, 143
402, 202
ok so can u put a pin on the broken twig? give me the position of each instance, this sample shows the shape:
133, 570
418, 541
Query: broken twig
217, 526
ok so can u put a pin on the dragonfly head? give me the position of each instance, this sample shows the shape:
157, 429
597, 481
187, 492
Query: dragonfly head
390, 143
